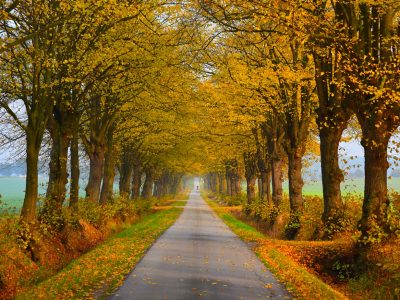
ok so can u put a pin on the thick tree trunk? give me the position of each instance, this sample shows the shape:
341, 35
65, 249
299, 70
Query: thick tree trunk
295, 180
277, 182
75, 171
250, 174
163, 184
96, 165
175, 183
236, 186
214, 182
232, 186
107, 188
376, 198
125, 174
228, 185
251, 189
136, 180
332, 175
222, 184
28, 212
148, 185
58, 175
157, 188
265, 188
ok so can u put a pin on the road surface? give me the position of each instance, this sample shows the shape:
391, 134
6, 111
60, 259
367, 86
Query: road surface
199, 257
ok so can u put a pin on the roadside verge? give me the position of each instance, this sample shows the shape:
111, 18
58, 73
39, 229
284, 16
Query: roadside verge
297, 279
101, 270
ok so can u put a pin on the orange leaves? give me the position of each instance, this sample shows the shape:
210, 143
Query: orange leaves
106, 265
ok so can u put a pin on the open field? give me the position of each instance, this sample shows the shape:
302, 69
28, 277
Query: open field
12, 188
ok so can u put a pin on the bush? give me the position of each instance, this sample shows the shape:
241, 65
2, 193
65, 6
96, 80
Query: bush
293, 226
393, 220
344, 221
310, 219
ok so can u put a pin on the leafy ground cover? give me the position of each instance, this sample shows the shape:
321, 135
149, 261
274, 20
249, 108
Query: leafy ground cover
93, 249
296, 278
104, 268
318, 269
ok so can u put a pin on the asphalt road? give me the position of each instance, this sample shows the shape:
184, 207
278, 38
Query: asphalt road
199, 257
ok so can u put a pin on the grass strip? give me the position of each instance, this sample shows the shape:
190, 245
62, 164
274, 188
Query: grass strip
104, 268
297, 279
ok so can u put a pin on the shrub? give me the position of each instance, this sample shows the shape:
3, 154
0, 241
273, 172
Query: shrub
293, 226
393, 220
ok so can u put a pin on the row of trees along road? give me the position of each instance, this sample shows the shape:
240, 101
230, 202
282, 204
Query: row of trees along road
111, 78
229, 88
286, 72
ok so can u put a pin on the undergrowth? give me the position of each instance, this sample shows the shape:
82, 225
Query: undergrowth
104, 268
333, 261
31, 253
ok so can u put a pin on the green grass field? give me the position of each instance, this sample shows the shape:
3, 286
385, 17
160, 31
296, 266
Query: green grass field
12, 188
12, 191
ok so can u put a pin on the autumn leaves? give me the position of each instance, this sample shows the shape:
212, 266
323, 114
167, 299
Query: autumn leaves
87, 81
295, 70
200, 86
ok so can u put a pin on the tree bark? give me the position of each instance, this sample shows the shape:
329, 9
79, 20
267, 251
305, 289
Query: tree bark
295, 180
162, 185
147, 191
228, 184
251, 189
333, 116
332, 175
265, 188
60, 132
75, 171
136, 180
222, 184
376, 200
236, 186
96, 165
125, 174
107, 188
28, 212
250, 174
277, 182
175, 184
214, 182
157, 188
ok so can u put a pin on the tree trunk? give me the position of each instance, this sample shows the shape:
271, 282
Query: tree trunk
277, 182
157, 188
162, 185
96, 165
136, 180
228, 185
107, 188
75, 171
222, 184
251, 189
265, 188
28, 212
214, 182
58, 175
295, 180
236, 186
376, 198
148, 185
333, 115
250, 164
332, 175
125, 174
177, 185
